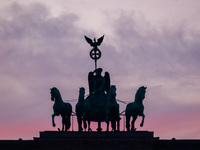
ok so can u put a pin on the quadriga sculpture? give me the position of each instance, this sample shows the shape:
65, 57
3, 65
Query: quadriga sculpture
112, 110
79, 108
135, 109
61, 108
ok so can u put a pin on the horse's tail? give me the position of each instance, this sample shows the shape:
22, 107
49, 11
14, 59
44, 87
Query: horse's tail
69, 113
68, 122
127, 110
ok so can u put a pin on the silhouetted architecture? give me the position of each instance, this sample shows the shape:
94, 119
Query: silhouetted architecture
138, 140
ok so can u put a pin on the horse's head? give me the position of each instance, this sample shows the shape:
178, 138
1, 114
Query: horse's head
82, 91
140, 94
54, 92
112, 90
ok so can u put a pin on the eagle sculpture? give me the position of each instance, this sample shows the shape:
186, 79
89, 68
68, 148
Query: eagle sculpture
94, 43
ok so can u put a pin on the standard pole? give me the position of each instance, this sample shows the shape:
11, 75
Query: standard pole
95, 64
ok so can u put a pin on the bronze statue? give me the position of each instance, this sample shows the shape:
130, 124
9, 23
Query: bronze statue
135, 109
79, 108
94, 43
112, 110
95, 103
97, 83
61, 108
95, 53
101, 104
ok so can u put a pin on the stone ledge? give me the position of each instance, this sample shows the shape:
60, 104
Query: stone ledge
79, 135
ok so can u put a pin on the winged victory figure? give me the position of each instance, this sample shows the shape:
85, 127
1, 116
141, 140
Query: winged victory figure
97, 83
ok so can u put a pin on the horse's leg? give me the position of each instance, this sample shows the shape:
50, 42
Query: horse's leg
107, 126
68, 122
118, 125
99, 126
84, 121
85, 124
79, 118
128, 122
107, 121
133, 123
118, 122
89, 129
63, 122
113, 124
143, 116
53, 123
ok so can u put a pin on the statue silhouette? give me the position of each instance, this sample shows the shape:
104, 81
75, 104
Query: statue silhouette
112, 110
79, 108
94, 43
97, 83
95, 104
135, 109
95, 53
61, 108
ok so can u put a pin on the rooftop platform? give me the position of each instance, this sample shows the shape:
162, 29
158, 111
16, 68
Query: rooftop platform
93, 135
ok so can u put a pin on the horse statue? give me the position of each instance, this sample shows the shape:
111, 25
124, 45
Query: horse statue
135, 109
61, 108
79, 108
112, 110
95, 103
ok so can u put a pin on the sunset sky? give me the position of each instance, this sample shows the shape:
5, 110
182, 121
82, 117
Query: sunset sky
149, 43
